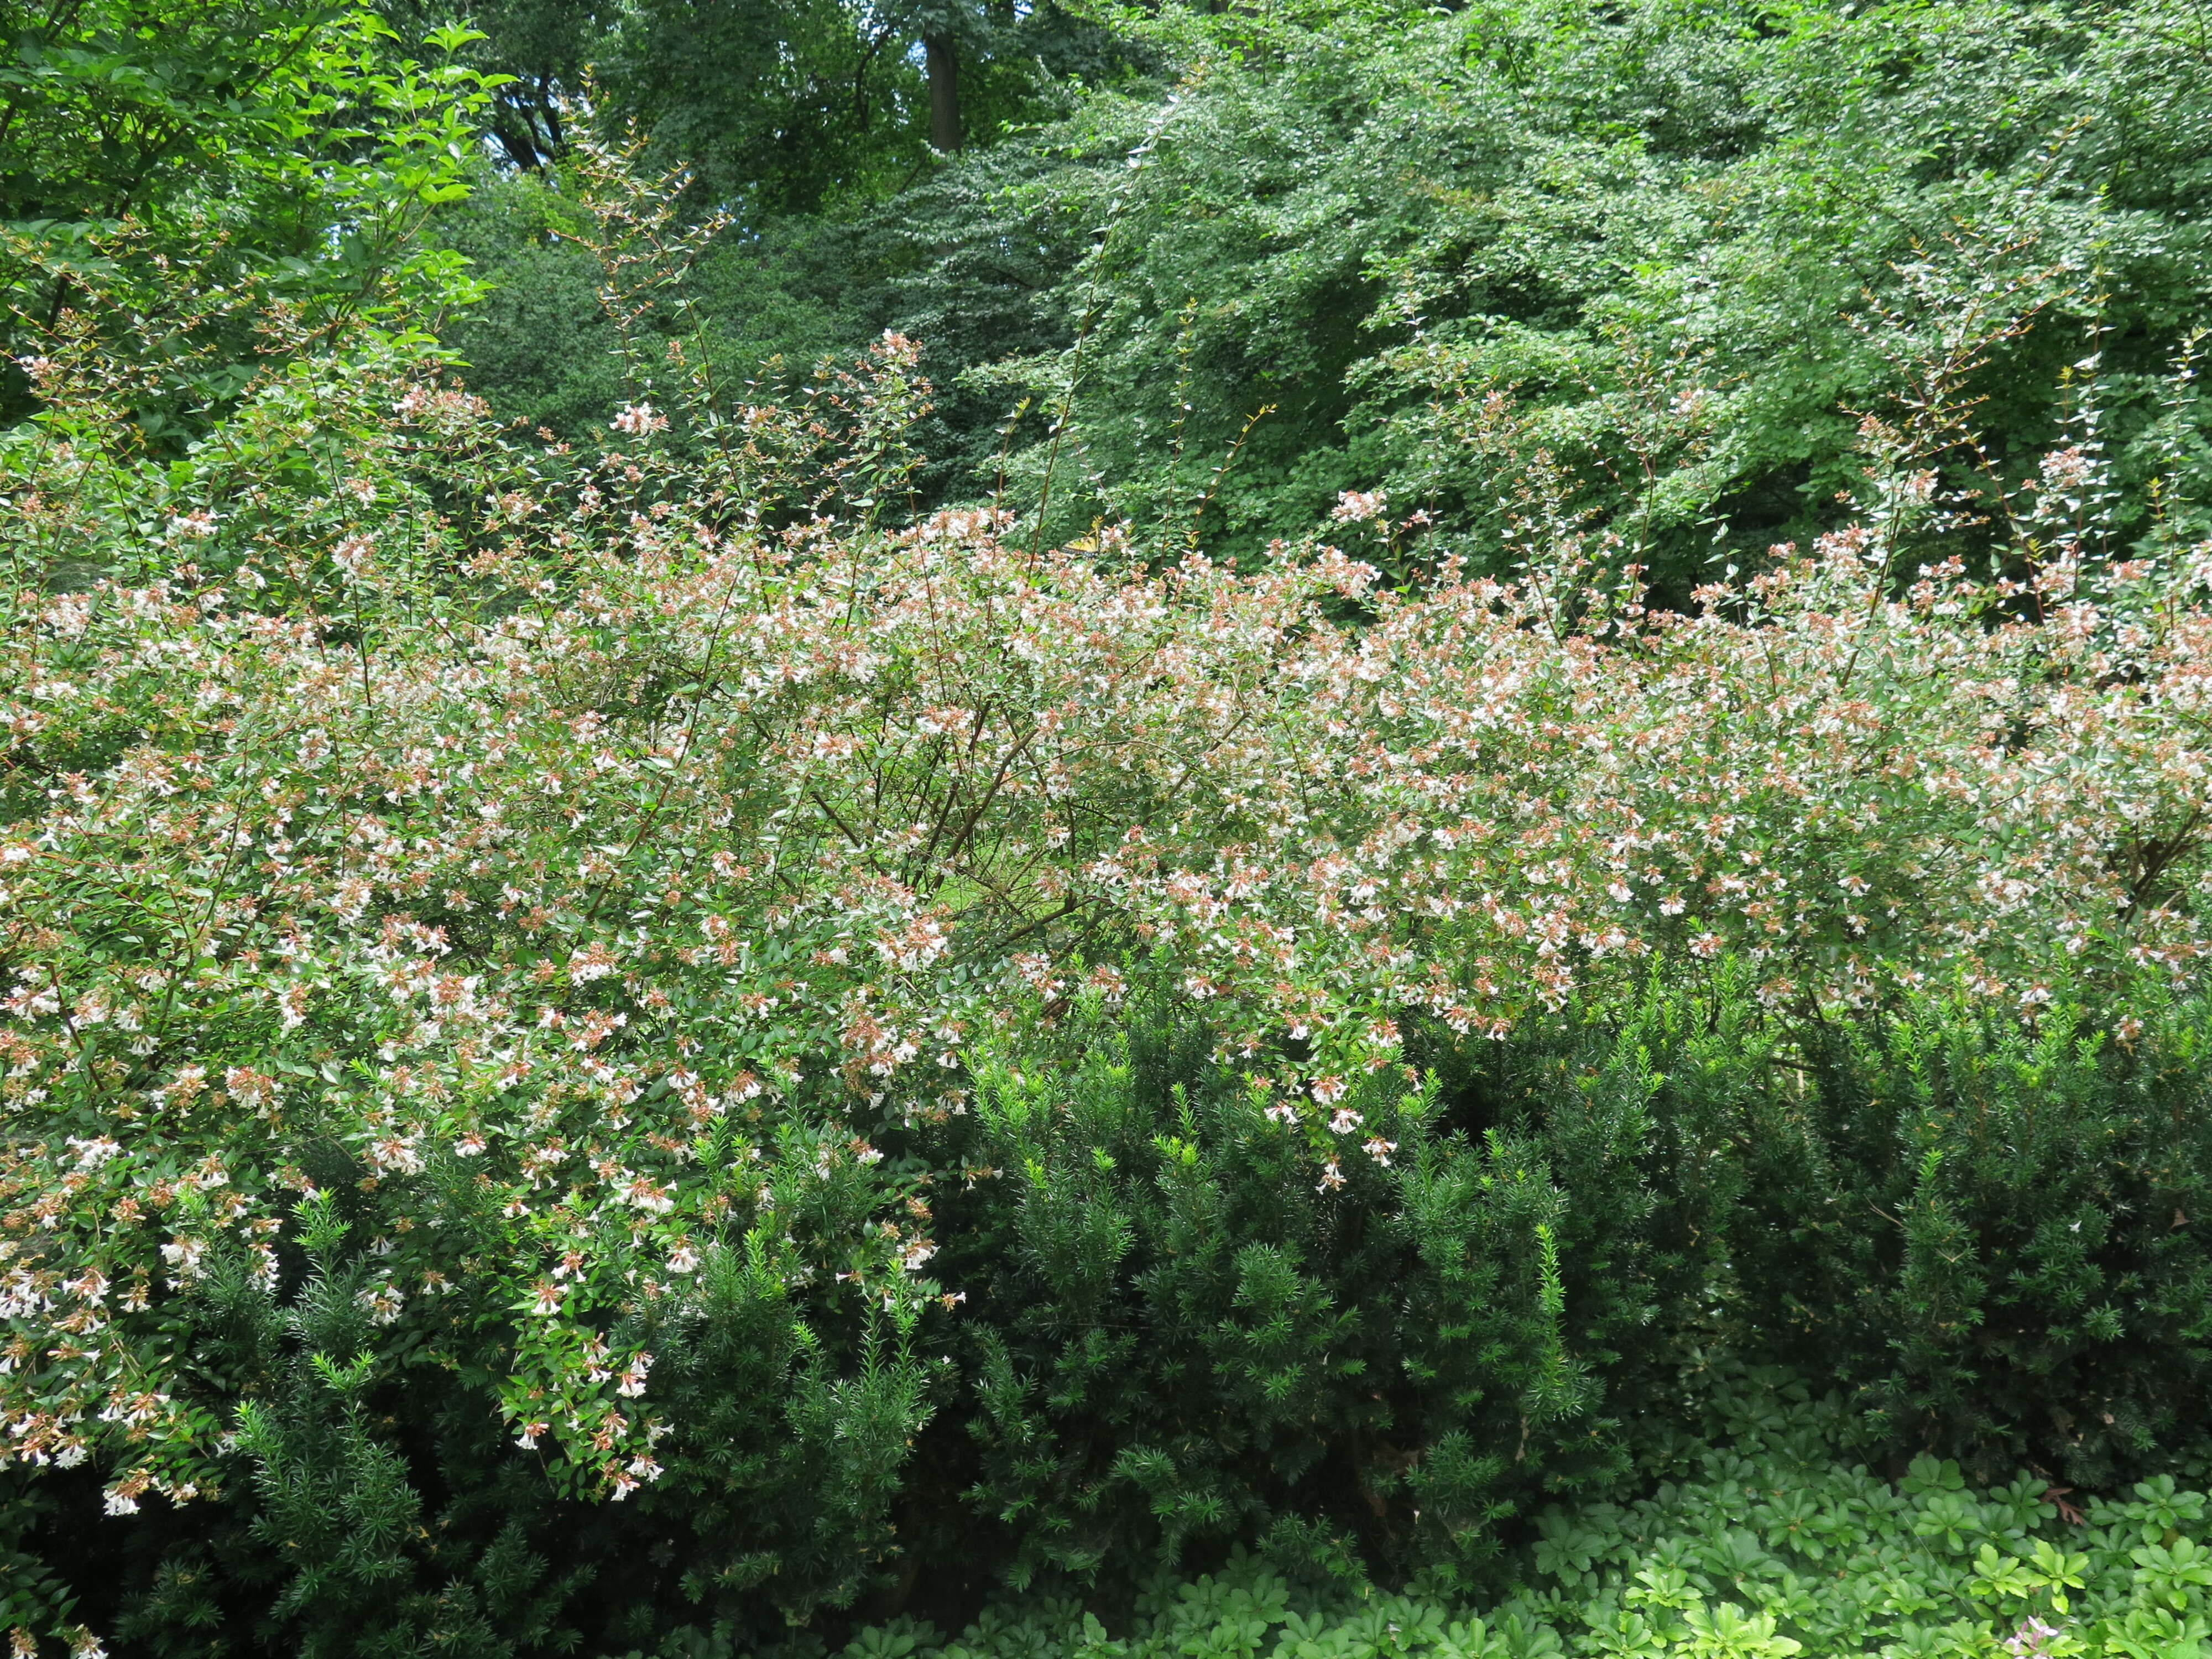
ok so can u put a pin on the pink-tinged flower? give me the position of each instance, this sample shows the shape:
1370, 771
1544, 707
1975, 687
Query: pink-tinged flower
639, 420
395, 1155
1344, 1122
292, 1007
1327, 1089
123, 1496
547, 1296
92, 1153
528, 1438
1705, 944
353, 556
1332, 1177
184, 1255
594, 962
1353, 506
1380, 1150
382, 1303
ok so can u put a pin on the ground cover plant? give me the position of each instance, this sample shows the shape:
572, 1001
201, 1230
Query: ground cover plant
661, 1045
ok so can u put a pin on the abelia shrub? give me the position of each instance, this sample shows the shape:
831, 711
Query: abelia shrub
562, 900
564, 835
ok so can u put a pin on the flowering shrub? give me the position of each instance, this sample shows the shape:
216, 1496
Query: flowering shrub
567, 925
469, 807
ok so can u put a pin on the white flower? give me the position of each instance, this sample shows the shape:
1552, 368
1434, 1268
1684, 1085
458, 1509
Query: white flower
594, 962
351, 898
352, 555
91, 1154
28, 1001
184, 1255
395, 1155
382, 1303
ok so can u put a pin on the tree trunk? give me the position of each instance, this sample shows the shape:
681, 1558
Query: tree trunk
943, 64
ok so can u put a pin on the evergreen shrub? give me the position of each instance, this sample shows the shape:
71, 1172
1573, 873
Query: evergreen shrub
1181, 1328
1763, 1534
1993, 1232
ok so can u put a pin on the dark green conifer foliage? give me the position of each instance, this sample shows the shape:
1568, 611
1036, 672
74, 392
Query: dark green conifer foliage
334, 1552
1997, 1236
1181, 1336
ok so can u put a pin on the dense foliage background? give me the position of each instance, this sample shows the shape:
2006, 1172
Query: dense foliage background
1329, 831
